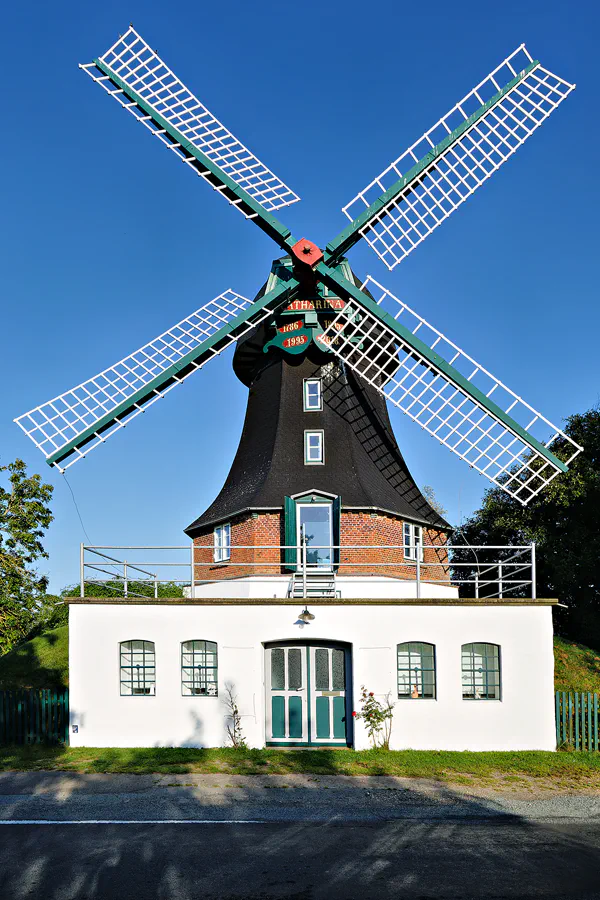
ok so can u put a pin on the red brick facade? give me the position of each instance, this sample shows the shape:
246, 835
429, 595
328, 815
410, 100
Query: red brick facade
253, 534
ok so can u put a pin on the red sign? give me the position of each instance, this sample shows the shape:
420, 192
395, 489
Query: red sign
295, 341
326, 339
318, 304
291, 326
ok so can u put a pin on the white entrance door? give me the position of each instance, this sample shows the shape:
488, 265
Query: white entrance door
287, 694
306, 695
315, 521
328, 695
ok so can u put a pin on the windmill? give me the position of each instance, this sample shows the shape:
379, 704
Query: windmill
312, 298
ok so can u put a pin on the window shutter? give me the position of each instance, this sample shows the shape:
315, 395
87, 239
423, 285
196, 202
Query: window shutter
337, 529
290, 539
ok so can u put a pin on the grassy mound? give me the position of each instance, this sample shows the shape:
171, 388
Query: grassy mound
576, 667
42, 662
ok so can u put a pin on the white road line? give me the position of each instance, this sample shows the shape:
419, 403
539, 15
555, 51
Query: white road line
133, 822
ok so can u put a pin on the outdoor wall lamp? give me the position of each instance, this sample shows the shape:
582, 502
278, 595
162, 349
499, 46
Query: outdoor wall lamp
306, 616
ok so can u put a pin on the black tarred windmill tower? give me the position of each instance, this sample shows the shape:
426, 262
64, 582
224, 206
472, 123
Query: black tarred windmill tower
321, 352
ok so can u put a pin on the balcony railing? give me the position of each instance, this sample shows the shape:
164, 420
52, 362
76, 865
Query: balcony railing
479, 571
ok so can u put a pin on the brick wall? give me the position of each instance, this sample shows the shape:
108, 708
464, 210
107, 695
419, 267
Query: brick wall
252, 532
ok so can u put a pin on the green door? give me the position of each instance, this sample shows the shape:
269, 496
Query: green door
328, 695
306, 695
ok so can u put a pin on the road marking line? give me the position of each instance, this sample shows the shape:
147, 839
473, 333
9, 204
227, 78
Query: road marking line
133, 822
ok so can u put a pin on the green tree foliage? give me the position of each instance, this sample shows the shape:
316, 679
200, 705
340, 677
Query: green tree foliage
115, 588
24, 517
564, 521
433, 501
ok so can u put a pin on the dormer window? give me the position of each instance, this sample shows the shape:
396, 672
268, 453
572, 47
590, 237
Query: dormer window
314, 450
313, 395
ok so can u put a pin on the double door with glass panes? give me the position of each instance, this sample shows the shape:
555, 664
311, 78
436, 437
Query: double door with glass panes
306, 694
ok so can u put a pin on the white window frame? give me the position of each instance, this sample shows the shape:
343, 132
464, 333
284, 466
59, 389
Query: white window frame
318, 432
299, 507
412, 538
306, 396
222, 543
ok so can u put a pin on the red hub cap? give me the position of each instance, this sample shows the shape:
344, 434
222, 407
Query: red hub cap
308, 253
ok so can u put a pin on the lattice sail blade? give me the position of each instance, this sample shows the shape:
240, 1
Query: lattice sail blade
450, 395
68, 427
454, 158
140, 69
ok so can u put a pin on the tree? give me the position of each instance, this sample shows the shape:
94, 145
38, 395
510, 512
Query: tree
564, 521
433, 501
24, 517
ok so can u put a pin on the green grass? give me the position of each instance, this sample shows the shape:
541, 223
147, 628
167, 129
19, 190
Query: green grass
576, 667
42, 662
571, 768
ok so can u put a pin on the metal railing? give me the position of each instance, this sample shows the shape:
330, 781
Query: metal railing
479, 571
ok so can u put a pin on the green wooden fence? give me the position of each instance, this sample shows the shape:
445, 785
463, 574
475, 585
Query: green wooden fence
34, 717
577, 720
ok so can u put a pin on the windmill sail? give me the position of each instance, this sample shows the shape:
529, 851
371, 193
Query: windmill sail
132, 73
450, 395
413, 196
68, 427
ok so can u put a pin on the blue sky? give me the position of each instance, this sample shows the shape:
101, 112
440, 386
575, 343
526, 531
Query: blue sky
106, 242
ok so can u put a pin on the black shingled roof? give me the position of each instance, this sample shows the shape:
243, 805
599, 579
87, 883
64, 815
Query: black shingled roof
363, 463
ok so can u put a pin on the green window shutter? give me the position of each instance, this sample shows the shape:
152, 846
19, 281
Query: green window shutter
337, 530
289, 555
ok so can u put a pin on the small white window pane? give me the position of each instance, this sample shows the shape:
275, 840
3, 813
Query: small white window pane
312, 394
226, 542
313, 446
418, 532
222, 543
409, 551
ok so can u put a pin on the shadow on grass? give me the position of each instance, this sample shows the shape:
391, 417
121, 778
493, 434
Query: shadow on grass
572, 766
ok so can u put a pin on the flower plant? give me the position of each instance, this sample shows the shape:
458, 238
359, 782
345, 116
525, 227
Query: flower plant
378, 718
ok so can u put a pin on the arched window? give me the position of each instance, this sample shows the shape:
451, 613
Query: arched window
416, 671
481, 671
199, 672
138, 668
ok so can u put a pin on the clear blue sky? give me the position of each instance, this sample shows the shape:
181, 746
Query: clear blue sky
106, 241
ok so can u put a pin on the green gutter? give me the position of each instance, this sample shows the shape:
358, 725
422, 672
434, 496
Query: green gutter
278, 296
265, 220
351, 234
337, 282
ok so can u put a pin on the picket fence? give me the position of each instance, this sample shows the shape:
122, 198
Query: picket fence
34, 717
576, 720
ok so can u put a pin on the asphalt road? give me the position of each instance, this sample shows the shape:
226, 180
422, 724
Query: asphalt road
302, 838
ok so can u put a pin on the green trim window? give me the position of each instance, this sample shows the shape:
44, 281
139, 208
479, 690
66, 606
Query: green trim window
222, 543
416, 671
313, 396
138, 668
291, 556
199, 669
481, 672
413, 541
314, 448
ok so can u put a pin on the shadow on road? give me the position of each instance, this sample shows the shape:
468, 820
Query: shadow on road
363, 843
